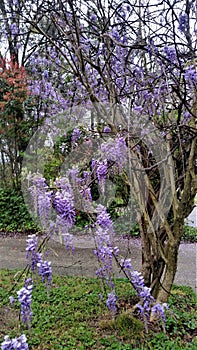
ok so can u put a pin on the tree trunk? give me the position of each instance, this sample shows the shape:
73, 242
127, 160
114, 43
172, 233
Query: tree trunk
146, 252
170, 271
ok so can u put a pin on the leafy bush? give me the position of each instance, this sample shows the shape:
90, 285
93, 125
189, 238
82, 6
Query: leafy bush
14, 216
190, 234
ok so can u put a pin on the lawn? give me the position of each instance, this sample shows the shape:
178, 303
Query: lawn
71, 316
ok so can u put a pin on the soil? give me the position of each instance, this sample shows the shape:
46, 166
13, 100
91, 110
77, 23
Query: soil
82, 260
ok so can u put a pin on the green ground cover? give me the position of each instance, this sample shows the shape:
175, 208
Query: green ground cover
70, 316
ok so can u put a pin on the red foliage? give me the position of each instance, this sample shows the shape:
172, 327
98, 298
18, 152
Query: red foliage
13, 83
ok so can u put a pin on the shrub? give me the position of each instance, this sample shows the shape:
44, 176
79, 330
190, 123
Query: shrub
14, 216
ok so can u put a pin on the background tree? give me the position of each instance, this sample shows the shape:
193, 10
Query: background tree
15, 128
23, 104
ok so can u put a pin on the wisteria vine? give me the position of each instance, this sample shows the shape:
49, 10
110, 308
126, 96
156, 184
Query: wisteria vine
105, 65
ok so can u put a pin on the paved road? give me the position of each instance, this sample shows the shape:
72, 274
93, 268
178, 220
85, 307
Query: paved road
83, 262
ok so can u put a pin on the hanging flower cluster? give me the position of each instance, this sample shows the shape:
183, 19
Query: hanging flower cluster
25, 300
104, 252
183, 22
146, 306
101, 169
41, 196
64, 207
19, 343
115, 151
63, 203
45, 271
36, 261
32, 255
76, 135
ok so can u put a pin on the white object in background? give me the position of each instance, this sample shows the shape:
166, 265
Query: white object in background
192, 218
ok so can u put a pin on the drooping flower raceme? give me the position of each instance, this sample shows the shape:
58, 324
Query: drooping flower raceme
101, 171
76, 134
191, 75
183, 22
100, 168
25, 299
36, 259
64, 202
104, 252
32, 255
147, 304
111, 302
41, 196
104, 220
115, 151
14, 29
107, 129
45, 271
19, 343
64, 205
159, 311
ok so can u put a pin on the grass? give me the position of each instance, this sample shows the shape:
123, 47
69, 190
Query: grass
190, 234
72, 317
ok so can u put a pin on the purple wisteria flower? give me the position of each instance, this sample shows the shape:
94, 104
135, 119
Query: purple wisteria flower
14, 29
170, 53
12, 300
103, 219
63, 203
93, 18
183, 22
106, 129
101, 170
36, 260
146, 305
45, 74
41, 196
45, 271
15, 2
115, 151
25, 299
126, 264
86, 193
32, 255
32, 243
19, 343
191, 75
111, 302
137, 280
186, 117
159, 311
76, 134
104, 252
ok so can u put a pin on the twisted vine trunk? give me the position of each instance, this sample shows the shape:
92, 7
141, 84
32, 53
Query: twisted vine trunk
170, 272
160, 247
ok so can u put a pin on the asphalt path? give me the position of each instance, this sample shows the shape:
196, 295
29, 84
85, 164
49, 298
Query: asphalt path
83, 262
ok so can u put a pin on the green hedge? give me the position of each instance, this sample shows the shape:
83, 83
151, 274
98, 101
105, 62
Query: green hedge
14, 216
